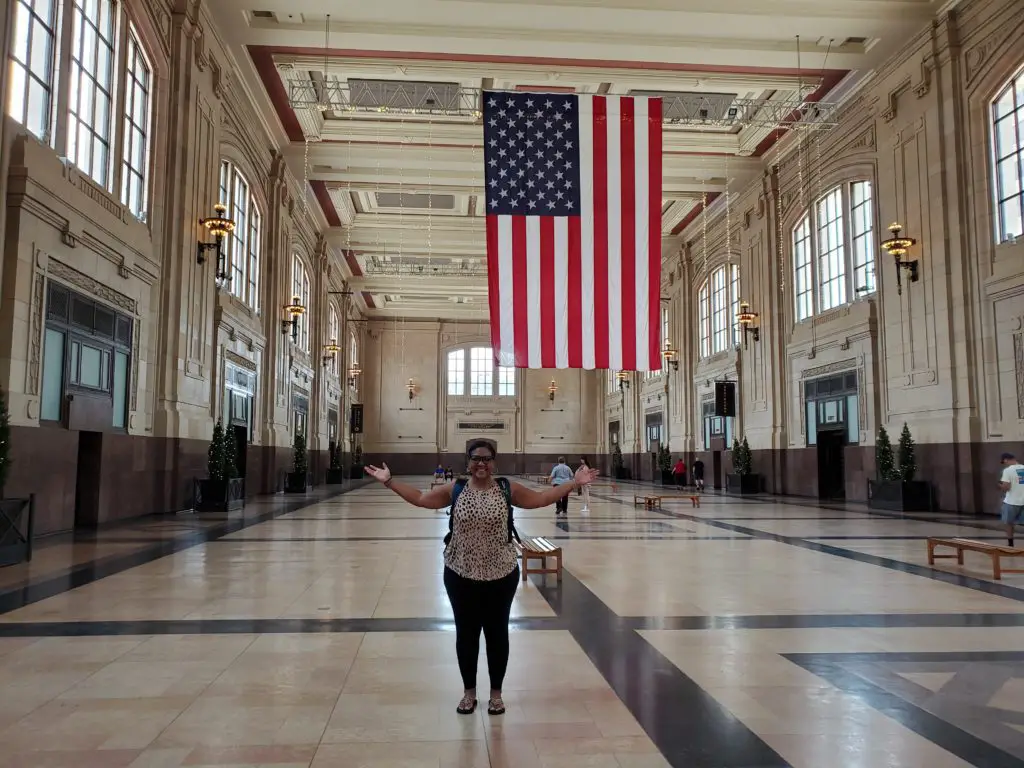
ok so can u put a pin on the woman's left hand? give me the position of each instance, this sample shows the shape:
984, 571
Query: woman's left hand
585, 475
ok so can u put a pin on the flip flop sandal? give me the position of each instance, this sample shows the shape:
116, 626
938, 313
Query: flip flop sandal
467, 706
495, 707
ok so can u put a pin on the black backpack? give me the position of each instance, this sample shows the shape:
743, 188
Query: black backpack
506, 490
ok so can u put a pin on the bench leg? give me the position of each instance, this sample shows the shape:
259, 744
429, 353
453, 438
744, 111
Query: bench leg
997, 568
526, 567
558, 565
931, 553
960, 557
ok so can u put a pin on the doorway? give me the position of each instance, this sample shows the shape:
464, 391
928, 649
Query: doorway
240, 433
831, 466
716, 470
87, 482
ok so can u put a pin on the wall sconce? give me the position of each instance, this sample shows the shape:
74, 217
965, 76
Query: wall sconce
671, 355
295, 310
623, 378
353, 374
552, 389
411, 387
330, 352
897, 247
220, 226
747, 321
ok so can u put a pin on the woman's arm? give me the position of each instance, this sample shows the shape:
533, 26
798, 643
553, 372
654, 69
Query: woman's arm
525, 498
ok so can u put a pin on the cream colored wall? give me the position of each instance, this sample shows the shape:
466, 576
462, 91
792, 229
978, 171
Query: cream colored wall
397, 351
942, 355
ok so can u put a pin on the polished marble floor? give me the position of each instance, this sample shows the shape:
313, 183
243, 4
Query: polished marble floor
314, 631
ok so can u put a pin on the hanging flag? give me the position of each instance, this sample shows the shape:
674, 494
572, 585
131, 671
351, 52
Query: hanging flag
573, 229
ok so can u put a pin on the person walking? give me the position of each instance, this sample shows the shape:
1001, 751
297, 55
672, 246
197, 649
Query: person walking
480, 569
679, 473
698, 474
560, 475
585, 490
1011, 483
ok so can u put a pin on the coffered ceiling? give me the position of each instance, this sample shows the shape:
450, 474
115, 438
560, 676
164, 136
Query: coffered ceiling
401, 189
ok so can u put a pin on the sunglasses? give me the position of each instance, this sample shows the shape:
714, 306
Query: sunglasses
481, 459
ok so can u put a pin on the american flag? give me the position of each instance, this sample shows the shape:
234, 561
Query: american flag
573, 229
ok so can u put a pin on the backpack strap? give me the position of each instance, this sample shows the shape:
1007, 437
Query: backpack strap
459, 486
506, 490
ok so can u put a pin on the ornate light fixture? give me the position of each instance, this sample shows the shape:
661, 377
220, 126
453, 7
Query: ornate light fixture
897, 247
411, 387
747, 321
623, 379
220, 226
671, 355
552, 389
353, 374
330, 352
295, 310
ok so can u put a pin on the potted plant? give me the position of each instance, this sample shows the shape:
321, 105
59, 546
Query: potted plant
222, 490
16, 515
665, 466
895, 488
297, 481
335, 474
619, 470
356, 470
742, 480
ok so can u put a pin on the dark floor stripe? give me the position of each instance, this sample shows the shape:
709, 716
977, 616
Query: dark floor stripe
945, 734
687, 724
829, 621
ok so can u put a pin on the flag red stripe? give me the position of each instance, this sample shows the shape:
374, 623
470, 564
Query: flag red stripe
493, 283
601, 278
519, 292
575, 286
627, 286
547, 292
654, 163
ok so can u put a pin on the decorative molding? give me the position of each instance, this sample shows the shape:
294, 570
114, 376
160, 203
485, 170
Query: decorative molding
35, 336
977, 57
78, 279
133, 385
925, 84
822, 370
242, 362
1018, 358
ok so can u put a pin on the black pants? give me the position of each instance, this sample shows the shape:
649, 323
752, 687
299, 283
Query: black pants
562, 505
481, 605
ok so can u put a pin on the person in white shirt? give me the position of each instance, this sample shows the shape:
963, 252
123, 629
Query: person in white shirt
1011, 482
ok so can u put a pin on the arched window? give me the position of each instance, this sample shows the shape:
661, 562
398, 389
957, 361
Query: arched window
480, 378
834, 250
300, 290
1008, 146
244, 244
718, 303
664, 338
105, 129
333, 333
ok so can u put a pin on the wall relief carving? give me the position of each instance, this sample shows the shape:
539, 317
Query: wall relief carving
239, 360
90, 286
822, 370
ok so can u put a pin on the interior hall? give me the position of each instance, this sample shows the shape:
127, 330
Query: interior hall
540, 384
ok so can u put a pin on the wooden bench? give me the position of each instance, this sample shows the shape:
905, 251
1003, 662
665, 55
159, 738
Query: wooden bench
539, 549
995, 551
694, 500
649, 502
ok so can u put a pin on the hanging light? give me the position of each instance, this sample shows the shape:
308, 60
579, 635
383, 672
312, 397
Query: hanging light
353, 374
897, 247
220, 226
552, 389
671, 355
623, 378
411, 387
295, 310
747, 321
330, 352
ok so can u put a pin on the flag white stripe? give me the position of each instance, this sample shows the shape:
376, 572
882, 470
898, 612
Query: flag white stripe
587, 228
642, 231
533, 278
506, 289
614, 232
561, 292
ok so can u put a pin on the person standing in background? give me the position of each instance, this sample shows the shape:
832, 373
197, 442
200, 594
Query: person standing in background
585, 489
560, 475
1011, 483
698, 474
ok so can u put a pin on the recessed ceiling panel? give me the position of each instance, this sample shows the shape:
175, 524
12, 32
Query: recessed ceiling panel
415, 201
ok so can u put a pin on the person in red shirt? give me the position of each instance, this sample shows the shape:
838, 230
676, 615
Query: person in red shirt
679, 473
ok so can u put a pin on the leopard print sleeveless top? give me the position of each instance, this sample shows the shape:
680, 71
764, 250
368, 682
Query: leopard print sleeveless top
479, 548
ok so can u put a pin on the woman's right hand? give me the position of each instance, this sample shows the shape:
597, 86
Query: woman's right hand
381, 474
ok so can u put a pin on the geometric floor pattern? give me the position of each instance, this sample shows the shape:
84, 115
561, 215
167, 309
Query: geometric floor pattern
313, 631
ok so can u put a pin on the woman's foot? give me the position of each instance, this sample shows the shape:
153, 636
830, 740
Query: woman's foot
468, 705
496, 706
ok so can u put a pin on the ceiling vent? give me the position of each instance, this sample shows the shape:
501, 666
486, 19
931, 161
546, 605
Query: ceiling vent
415, 201
263, 15
403, 94
686, 105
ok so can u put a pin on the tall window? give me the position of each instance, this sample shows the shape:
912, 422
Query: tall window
612, 384
300, 289
243, 246
30, 90
1008, 146
481, 378
718, 303
135, 152
87, 63
333, 332
834, 250
664, 338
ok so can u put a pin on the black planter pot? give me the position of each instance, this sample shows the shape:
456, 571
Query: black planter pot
220, 495
335, 476
742, 485
622, 474
17, 518
666, 477
355, 472
296, 482
899, 496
